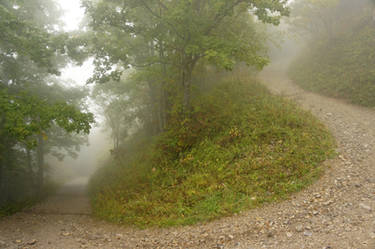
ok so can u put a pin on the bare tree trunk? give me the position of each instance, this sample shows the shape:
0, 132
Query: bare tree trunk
186, 84
155, 115
2, 153
30, 167
7, 164
163, 94
29, 162
2, 197
40, 163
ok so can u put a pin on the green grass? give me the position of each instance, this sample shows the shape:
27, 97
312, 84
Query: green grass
342, 67
241, 148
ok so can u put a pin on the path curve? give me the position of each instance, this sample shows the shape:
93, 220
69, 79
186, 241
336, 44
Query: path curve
336, 212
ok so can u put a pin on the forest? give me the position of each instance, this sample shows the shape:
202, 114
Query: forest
195, 134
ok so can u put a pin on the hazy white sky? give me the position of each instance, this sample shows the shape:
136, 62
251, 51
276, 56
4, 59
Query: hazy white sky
89, 156
73, 15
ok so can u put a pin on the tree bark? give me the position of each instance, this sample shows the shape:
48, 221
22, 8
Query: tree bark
155, 114
163, 94
2, 199
29, 162
2, 153
186, 84
40, 162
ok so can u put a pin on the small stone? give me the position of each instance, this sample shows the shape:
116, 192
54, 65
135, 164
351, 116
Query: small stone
299, 228
317, 195
220, 246
66, 234
327, 203
289, 235
32, 242
18, 241
230, 236
364, 206
307, 233
3, 244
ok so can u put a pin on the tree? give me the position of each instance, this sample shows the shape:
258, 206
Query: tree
31, 51
171, 37
318, 18
324, 19
118, 109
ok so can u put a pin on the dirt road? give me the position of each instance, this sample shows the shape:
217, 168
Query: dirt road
336, 212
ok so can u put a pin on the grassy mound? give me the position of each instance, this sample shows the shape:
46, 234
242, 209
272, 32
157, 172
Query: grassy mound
342, 67
242, 147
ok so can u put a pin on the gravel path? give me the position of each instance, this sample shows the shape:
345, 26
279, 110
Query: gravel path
337, 212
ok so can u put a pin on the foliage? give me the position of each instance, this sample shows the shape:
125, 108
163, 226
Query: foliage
341, 66
240, 148
33, 107
167, 39
24, 115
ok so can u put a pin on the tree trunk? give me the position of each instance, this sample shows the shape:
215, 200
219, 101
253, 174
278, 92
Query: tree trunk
2, 153
163, 94
40, 162
30, 167
29, 162
7, 164
186, 84
155, 114
2, 199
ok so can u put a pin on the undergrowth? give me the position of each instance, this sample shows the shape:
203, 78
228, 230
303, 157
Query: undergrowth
242, 147
341, 67
27, 200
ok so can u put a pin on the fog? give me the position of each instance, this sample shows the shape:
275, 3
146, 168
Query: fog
90, 158
155, 77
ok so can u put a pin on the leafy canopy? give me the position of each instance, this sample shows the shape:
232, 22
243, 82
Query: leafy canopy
182, 32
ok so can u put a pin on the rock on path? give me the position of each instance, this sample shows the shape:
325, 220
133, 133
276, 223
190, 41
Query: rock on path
337, 212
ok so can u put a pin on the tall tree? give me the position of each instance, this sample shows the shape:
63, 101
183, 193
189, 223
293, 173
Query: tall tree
31, 50
173, 36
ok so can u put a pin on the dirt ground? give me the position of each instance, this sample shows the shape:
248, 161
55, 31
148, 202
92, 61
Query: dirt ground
336, 212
